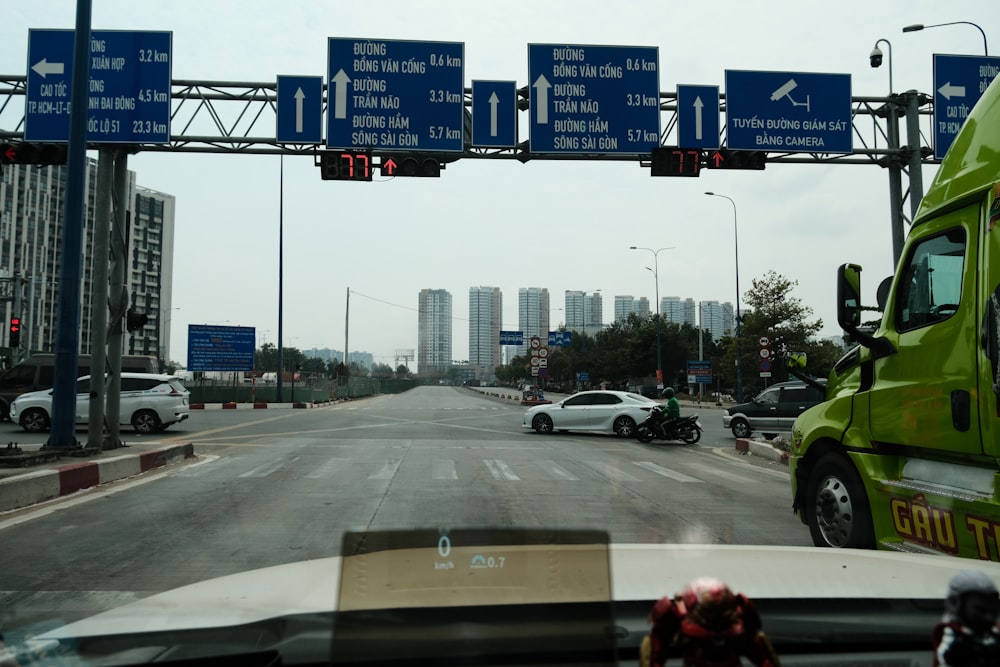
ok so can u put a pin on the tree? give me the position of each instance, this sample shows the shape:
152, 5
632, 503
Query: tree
779, 316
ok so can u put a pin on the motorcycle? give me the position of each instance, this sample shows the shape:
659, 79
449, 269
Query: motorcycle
658, 426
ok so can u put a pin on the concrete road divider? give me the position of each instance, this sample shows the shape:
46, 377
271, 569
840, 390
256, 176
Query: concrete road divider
36, 486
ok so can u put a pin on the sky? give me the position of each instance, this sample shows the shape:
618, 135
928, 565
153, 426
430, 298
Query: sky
558, 224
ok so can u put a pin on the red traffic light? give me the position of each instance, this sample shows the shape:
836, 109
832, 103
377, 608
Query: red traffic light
30, 153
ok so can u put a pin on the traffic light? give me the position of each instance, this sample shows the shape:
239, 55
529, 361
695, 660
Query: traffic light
345, 165
28, 153
15, 332
134, 320
671, 161
727, 159
410, 165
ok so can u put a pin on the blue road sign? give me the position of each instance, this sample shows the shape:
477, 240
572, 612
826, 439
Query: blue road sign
959, 82
788, 112
512, 338
593, 99
494, 114
698, 116
560, 338
219, 348
395, 95
129, 99
300, 110
583, 376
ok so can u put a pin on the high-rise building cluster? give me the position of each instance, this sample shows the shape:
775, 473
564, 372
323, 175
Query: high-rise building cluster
31, 219
582, 312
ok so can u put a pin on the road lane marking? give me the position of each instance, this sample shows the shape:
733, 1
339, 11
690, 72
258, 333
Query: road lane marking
327, 469
268, 468
667, 472
557, 471
445, 469
611, 471
714, 473
387, 470
500, 470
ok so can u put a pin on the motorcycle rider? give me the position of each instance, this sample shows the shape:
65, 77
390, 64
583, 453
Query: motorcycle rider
673, 409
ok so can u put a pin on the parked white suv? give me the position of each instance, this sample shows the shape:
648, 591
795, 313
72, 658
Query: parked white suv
149, 402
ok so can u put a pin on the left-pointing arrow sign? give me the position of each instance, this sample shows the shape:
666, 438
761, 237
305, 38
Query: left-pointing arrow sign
44, 67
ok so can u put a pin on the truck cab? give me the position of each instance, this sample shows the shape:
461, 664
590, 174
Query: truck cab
905, 452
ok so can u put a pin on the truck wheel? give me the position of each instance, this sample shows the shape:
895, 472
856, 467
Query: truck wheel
837, 509
740, 427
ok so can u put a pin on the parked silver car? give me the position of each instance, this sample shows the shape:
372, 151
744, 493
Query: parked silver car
149, 402
615, 412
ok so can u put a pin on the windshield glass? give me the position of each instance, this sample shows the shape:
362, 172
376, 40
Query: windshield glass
349, 269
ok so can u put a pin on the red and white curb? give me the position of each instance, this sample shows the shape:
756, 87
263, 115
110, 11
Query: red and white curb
35, 487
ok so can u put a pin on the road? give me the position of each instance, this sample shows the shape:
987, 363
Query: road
280, 486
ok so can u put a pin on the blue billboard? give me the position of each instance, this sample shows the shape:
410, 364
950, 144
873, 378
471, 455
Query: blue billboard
220, 348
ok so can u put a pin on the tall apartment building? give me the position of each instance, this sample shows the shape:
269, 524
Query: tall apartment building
485, 319
673, 309
434, 331
31, 218
626, 304
532, 315
717, 318
584, 312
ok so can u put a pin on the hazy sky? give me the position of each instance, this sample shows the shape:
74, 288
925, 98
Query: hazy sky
564, 225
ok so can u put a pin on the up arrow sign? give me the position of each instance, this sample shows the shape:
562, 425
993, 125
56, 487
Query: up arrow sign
44, 67
542, 86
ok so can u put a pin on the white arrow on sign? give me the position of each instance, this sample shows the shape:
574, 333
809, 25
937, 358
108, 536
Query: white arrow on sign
950, 91
542, 86
340, 94
494, 100
43, 67
299, 96
697, 116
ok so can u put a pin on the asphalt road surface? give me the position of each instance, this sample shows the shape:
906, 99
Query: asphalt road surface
279, 486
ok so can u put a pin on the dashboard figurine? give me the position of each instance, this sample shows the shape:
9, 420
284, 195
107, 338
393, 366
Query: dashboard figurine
706, 625
968, 634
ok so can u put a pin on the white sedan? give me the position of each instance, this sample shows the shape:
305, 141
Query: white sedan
615, 412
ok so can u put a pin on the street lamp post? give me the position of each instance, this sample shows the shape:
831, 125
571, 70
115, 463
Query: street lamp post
920, 26
656, 278
739, 330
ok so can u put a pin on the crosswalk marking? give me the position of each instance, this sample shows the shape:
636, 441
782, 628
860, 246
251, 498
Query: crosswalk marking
327, 469
611, 471
387, 470
268, 468
615, 470
500, 470
557, 471
445, 469
666, 472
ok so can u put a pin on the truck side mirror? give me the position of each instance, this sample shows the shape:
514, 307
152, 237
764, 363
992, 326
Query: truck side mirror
849, 296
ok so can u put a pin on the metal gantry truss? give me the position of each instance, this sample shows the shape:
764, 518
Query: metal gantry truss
241, 117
